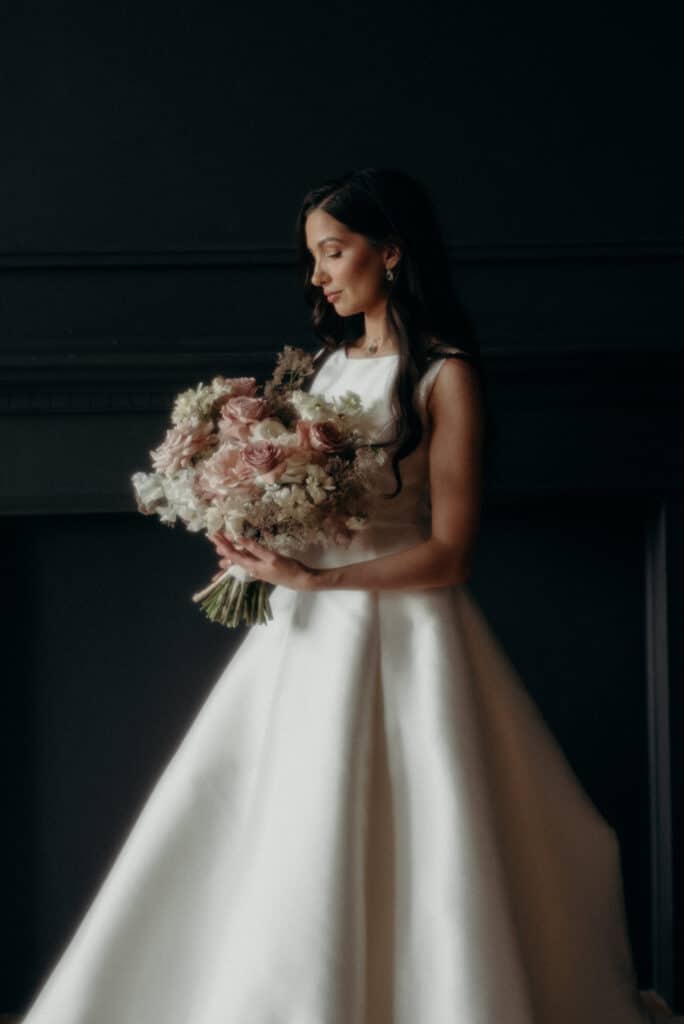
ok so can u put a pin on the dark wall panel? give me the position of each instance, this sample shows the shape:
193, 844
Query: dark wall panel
150, 126
109, 660
562, 583
546, 297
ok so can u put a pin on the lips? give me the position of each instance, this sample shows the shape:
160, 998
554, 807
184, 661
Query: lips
331, 296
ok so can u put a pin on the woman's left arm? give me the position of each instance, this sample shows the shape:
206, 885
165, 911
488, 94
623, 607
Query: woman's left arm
455, 449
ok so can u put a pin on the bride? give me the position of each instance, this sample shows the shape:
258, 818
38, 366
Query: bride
368, 821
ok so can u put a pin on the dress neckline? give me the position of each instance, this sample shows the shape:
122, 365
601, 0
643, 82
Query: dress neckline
366, 359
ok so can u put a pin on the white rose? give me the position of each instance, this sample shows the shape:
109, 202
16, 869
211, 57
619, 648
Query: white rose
311, 406
296, 469
267, 429
289, 439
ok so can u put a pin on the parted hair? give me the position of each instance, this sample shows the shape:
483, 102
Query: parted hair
389, 206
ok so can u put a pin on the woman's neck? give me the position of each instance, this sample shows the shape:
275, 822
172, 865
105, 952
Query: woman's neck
380, 344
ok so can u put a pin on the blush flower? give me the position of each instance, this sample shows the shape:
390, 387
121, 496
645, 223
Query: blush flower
267, 460
286, 466
270, 429
325, 436
180, 446
238, 414
222, 474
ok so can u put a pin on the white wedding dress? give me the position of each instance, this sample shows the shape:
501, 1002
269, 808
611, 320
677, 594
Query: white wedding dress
368, 822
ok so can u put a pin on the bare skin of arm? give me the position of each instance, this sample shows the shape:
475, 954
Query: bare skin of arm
455, 414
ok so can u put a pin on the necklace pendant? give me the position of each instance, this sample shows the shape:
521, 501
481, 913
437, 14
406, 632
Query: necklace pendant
372, 347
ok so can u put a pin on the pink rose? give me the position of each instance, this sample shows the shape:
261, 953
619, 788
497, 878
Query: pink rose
180, 445
239, 385
308, 438
326, 437
222, 473
239, 413
262, 455
266, 459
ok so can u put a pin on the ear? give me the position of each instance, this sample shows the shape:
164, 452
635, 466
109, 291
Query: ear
392, 253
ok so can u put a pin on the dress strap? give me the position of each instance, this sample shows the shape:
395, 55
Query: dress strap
451, 350
426, 382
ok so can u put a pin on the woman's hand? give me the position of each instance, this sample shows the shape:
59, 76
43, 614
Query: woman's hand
261, 563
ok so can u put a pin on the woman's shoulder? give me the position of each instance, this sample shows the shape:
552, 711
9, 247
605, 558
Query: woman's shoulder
438, 354
438, 350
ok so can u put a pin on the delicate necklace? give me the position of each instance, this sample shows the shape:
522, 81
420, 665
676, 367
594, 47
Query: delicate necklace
373, 344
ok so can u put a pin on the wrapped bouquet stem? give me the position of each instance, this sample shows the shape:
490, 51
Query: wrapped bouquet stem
288, 468
234, 597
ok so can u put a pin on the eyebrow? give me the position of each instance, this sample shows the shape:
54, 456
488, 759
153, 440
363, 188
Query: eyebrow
328, 238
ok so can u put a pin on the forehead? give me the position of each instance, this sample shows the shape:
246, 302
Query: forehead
321, 226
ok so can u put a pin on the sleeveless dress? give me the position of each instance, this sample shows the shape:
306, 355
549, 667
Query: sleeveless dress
368, 822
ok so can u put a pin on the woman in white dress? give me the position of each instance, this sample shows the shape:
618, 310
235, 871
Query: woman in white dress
368, 822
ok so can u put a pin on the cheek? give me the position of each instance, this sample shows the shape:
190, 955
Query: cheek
359, 271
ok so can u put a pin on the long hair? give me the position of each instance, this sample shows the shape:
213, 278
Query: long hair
388, 206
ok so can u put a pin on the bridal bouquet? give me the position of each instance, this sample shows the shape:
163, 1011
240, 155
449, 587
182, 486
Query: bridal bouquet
284, 467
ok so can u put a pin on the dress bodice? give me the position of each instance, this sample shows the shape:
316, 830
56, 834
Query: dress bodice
396, 522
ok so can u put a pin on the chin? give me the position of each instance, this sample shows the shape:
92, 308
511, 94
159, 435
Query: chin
347, 310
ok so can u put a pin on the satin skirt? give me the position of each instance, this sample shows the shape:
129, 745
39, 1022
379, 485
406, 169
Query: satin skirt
367, 822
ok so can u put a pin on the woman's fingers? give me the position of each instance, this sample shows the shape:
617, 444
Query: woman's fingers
252, 548
246, 549
221, 544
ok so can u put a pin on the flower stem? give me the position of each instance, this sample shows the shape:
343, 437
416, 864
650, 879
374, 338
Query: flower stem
230, 601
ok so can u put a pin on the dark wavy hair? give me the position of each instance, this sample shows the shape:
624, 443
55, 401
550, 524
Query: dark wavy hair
388, 206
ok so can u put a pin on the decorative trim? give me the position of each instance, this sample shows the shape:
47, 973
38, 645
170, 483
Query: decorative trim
658, 688
569, 251
61, 383
54, 383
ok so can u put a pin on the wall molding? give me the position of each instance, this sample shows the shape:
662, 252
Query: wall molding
599, 423
62, 382
566, 251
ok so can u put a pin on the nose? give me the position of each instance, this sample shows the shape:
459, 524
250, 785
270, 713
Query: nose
316, 277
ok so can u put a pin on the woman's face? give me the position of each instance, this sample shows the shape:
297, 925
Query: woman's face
345, 265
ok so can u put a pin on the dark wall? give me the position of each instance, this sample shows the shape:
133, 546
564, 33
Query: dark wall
143, 127
153, 160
